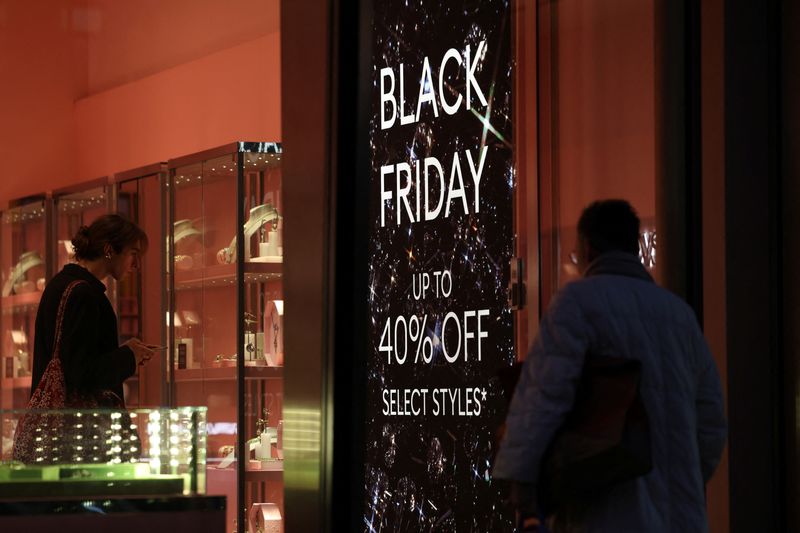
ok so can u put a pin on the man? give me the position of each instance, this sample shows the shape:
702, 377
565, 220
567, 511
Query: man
616, 309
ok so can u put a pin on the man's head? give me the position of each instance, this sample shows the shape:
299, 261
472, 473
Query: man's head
606, 226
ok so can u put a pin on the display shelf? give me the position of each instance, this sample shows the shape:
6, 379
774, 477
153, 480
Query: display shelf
225, 275
18, 302
26, 263
227, 373
269, 471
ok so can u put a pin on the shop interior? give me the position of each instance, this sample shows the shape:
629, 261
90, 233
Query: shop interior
168, 112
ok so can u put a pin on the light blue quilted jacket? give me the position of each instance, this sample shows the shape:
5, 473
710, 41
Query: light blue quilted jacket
617, 309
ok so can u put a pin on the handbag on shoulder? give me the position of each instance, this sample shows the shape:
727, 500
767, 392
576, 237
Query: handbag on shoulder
605, 439
46, 436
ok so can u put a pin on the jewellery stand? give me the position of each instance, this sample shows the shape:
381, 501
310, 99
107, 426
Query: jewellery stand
27, 261
183, 229
259, 215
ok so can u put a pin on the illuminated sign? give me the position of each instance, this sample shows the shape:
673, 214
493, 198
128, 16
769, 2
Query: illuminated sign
441, 237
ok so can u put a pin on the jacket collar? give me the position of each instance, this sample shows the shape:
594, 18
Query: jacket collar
618, 264
77, 271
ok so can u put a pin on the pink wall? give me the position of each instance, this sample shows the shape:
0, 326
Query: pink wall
94, 87
227, 96
43, 70
130, 40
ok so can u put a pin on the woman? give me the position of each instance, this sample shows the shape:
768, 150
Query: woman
93, 362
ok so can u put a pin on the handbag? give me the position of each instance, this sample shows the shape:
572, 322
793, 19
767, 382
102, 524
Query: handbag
46, 436
605, 439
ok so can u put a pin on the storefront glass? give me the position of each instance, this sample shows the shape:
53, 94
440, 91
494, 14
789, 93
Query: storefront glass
597, 133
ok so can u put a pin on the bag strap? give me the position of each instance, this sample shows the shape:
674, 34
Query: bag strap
60, 317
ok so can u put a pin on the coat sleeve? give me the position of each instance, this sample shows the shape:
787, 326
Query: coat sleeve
712, 428
545, 392
84, 366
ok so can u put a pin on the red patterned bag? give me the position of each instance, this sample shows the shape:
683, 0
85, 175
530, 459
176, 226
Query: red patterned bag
45, 436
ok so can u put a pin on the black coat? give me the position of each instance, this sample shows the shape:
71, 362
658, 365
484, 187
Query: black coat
90, 353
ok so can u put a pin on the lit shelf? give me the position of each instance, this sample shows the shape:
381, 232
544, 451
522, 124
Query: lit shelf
227, 373
17, 302
225, 275
269, 471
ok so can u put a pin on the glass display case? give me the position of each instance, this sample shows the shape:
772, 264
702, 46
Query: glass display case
140, 298
75, 207
225, 319
25, 263
102, 452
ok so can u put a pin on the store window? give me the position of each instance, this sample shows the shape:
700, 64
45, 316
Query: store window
598, 123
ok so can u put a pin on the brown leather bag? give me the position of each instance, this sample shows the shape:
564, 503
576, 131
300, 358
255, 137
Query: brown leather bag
605, 439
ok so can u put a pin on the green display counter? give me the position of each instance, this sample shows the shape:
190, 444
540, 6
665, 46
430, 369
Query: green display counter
57, 481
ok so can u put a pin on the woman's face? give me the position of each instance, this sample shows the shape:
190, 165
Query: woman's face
126, 261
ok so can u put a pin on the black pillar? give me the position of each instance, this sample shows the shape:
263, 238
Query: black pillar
753, 285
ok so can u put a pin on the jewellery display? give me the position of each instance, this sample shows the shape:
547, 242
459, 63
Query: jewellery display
273, 325
240, 315
266, 448
253, 341
184, 354
184, 262
15, 281
183, 229
18, 364
264, 518
259, 216
226, 450
225, 360
270, 244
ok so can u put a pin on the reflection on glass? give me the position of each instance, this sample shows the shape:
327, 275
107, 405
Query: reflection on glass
24, 273
597, 90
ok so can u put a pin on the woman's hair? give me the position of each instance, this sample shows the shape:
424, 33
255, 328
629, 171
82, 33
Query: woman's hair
115, 230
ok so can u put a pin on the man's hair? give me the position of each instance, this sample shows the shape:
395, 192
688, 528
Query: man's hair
610, 226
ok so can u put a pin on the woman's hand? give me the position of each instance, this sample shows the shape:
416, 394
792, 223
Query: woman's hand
141, 351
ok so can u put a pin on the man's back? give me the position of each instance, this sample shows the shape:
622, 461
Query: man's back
617, 310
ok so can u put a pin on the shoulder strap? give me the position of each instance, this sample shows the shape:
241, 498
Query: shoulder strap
60, 317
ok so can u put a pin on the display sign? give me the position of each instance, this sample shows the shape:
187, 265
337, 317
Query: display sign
441, 237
